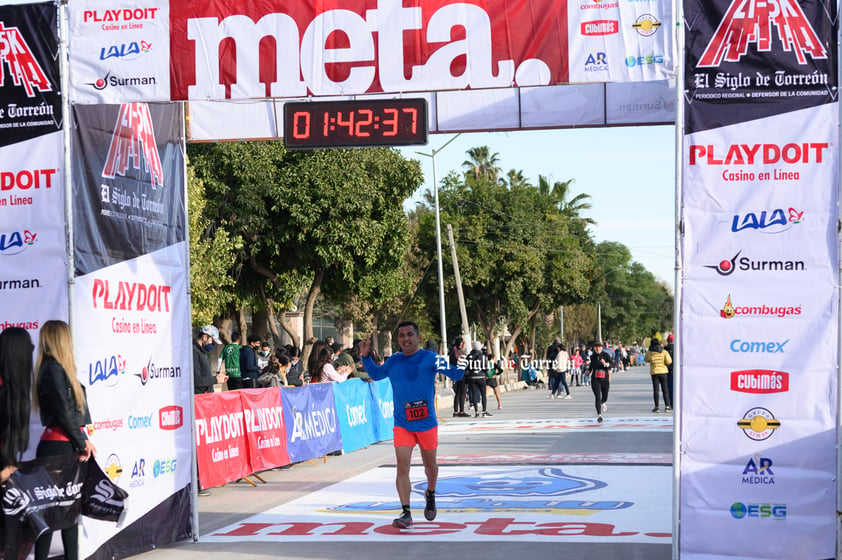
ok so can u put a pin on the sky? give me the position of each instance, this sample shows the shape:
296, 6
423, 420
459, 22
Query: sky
629, 173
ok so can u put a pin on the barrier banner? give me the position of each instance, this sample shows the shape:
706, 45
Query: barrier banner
759, 353
33, 251
384, 409
263, 415
221, 446
356, 414
312, 429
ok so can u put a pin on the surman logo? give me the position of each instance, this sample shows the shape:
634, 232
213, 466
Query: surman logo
751, 21
24, 69
133, 143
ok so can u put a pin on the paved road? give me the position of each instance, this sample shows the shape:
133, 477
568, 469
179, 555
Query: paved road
539, 478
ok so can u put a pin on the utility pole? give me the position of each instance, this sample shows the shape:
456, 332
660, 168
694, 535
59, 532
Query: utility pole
465, 327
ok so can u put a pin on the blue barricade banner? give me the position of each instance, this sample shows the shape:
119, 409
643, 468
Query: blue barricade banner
384, 408
310, 419
355, 411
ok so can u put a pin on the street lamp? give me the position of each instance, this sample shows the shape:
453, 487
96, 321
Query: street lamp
438, 241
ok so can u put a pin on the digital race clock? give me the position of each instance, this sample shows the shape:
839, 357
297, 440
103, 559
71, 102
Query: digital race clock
349, 124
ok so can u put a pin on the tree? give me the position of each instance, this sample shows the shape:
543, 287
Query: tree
482, 164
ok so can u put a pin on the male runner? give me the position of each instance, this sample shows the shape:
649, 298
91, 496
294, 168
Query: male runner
412, 373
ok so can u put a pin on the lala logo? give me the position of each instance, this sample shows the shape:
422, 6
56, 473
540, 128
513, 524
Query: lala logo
24, 69
752, 21
14, 242
133, 144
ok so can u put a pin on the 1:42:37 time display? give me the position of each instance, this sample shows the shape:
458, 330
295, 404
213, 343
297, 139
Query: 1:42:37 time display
335, 124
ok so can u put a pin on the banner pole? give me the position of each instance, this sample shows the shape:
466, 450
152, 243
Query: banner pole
678, 57
64, 71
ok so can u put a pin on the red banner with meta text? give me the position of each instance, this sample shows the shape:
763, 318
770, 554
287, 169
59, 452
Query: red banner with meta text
263, 414
221, 446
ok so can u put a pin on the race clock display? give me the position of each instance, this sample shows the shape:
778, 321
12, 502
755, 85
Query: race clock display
349, 124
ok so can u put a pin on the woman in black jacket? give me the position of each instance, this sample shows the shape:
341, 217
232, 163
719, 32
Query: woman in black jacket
15, 385
60, 398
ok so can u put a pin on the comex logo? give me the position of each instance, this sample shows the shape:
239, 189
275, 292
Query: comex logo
15, 242
16, 56
740, 510
752, 21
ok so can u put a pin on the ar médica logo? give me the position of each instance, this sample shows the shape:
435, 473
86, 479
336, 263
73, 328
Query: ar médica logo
133, 145
16, 56
752, 21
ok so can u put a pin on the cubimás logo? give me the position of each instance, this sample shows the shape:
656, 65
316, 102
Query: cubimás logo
171, 417
740, 510
729, 310
775, 221
599, 27
758, 470
107, 370
759, 381
15, 242
726, 267
646, 25
758, 424
752, 21
17, 57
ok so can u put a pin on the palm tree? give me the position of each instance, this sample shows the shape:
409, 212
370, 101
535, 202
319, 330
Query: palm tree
559, 191
482, 163
514, 179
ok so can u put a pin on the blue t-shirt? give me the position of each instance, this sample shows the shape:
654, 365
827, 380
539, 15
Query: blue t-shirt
413, 384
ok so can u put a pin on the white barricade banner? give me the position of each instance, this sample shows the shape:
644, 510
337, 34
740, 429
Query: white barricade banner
760, 311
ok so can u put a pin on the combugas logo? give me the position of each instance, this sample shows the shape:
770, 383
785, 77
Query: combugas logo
758, 424
17, 58
729, 310
133, 144
755, 21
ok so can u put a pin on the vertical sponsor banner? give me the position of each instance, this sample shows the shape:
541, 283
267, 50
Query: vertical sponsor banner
384, 413
120, 51
221, 446
310, 420
759, 352
132, 316
263, 415
355, 411
33, 255
620, 40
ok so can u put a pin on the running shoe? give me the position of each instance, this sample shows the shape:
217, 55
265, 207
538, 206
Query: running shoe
430, 507
599, 418
604, 407
668, 409
656, 409
404, 521
486, 413
568, 396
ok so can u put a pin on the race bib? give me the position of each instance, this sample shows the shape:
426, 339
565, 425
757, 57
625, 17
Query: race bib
599, 374
416, 410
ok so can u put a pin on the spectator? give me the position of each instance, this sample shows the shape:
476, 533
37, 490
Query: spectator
658, 360
294, 377
359, 369
343, 362
64, 413
249, 369
459, 392
230, 362
670, 349
274, 374
15, 387
475, 369
323, 371
491, 376
203, 343
576, 368
264, 351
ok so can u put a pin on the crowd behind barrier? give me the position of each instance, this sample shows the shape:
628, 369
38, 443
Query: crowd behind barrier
243, 432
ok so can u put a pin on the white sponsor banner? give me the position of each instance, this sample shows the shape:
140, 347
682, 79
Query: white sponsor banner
759, 337
134, 357
472, 110
33, 252
535, 503
619, 40
119, 51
